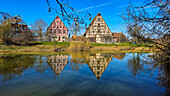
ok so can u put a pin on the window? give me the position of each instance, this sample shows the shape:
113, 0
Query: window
98, 73
93, 32
98, 25
98, 67
98, 19
98, 30
59, 60
64, 31
59, 31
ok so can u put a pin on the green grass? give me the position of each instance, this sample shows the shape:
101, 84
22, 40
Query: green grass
93, 44
7, 48
67, 44
53, 43
120, 44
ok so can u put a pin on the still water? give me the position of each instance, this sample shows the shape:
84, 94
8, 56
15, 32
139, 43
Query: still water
81, 74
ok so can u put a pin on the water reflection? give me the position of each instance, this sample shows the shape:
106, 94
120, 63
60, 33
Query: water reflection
57, 63
98, 63
77, 59
119, 56
12, 66
137, 64
143, 64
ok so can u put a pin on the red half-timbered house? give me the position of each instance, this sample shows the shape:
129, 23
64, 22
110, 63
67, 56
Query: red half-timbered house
57, 31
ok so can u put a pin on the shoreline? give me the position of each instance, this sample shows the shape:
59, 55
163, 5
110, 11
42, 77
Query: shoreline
95, 49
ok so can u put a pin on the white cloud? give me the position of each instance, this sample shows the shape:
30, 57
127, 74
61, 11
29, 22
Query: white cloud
95, 6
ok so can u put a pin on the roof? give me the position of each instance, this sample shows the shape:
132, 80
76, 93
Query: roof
119, 56
78, 38
116, 34
93, 22
54, 20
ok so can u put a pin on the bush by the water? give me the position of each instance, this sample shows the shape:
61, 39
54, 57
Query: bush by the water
79, 46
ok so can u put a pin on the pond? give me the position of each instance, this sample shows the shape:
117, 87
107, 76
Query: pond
82, 74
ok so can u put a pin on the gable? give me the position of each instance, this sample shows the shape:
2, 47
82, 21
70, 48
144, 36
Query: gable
57, 24
99, 26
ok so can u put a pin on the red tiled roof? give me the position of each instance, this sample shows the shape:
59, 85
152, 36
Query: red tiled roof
116, 34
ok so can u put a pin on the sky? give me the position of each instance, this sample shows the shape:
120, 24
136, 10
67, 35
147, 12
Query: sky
30, 10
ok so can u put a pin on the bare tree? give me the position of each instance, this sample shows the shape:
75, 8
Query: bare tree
70, 14
39, 27
13, 30
150, 23
75, 29
5, 30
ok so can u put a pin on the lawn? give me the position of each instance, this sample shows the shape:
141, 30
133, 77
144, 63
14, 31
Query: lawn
66, 44
53, 43
120, 44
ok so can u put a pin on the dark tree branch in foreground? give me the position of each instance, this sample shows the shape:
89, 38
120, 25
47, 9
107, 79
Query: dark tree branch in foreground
70, 14
150, 23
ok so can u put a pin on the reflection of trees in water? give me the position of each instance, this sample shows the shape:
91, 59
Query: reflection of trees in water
12, 66
135, 65
40, 64
77, 59
140, 64
164, 74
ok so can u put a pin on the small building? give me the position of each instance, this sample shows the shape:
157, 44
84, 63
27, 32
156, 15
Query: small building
78, 39
57, 31
98, 31
118, 37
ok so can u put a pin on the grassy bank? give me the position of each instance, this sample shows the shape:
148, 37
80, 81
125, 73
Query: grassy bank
49, 47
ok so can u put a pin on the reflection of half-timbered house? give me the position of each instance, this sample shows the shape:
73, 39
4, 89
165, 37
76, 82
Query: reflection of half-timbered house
98, 63
58, 63
98, 31
57, 31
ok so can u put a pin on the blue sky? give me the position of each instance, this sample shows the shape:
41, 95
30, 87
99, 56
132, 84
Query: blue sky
30, 10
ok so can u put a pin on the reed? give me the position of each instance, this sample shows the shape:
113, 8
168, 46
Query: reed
79, 46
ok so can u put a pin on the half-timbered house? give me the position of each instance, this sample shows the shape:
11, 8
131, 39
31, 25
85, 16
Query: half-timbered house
98, 31
57, 31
